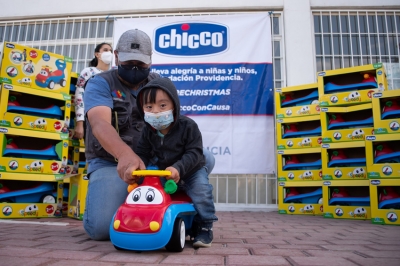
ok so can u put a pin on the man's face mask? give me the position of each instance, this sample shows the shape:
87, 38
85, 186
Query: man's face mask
133, 74
160, 120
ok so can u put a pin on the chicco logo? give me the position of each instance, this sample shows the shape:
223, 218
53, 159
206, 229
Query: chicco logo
375, 182
377, 95
10, 45
370, 138
8, 86
3, 130
321, 74
327, 183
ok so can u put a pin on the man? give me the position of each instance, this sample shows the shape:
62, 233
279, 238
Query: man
113, 128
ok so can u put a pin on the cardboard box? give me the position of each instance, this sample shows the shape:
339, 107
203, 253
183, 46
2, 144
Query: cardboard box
31, 67
350, 123
21, 149
77, 196
303, 101
355, 159
305, 141
307, 202
22, 108
383, 156
385, 201
386, 110
349, 86
355, 205
311, 172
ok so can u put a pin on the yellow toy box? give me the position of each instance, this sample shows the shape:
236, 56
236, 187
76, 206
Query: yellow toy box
383, 156
346, 199
29, 199
385, 201
298, 133
297, 101
299, 165
343, 124
77, 160
344, 161
386, 110
300, 198
22, 108
32, 152
31, 67
349, 86
77, 196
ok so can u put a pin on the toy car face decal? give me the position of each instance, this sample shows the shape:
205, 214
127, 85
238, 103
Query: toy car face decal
353, 97
35, 166
357, 134
359, 213
358, 173
31, 210
25, 81
144, 195
305, 110
307, 209
39, 123
306, 142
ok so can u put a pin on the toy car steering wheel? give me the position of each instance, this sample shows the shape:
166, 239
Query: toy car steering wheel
170, 186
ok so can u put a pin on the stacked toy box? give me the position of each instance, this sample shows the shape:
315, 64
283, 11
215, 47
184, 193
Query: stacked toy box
35, 114
298, 130
346, 118
383, 158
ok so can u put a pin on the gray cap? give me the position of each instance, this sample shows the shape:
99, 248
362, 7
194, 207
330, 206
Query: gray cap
134, 45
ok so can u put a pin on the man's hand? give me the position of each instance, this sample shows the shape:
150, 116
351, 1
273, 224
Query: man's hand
127, 163
174, 174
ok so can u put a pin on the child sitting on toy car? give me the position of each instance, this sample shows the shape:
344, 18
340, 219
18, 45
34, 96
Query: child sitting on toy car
173, 142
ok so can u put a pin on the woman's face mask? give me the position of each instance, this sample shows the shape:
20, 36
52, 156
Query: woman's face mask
106, 57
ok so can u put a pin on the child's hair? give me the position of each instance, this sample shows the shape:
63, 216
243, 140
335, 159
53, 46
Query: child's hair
149, 95
94, 61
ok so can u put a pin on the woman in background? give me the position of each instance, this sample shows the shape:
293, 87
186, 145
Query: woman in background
103, 55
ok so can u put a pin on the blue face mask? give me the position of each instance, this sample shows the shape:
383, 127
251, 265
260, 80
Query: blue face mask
159, 120
133, 74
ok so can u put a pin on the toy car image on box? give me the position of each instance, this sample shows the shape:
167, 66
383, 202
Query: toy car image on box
150, 218
31, 67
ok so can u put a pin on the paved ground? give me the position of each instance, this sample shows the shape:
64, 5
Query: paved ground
240, 238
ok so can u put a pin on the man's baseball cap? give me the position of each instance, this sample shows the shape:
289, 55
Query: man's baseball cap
134, 45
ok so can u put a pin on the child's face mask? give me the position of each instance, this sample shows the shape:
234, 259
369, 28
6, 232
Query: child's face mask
159, 120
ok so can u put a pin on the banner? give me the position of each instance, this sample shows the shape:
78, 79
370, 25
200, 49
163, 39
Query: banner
221, 66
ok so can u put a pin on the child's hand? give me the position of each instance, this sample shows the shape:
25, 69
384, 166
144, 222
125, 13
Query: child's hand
174, 174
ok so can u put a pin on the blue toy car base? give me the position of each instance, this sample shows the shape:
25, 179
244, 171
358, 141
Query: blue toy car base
158, 240
369, 122
391, 114
312, 197
331, 87
47, 154
42, 193
303, 100
393, 157
304, 166
51, 112
390, 204
347, 162
313, 132
350, 201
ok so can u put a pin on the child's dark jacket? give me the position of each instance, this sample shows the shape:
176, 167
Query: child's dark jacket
181, 147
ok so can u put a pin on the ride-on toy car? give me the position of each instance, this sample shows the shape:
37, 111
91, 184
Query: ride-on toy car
48, 78
41, 193
150, 218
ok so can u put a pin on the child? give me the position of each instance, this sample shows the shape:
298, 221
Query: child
174, 143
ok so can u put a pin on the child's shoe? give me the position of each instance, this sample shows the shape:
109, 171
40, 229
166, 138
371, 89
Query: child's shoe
204, 236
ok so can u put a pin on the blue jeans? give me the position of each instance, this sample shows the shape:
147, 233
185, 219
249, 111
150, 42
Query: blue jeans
107, 191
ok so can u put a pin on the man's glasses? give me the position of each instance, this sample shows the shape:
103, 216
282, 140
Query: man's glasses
131, 67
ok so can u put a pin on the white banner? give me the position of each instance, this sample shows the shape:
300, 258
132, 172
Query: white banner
222, 68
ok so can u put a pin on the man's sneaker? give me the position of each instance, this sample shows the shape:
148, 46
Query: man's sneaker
204, 238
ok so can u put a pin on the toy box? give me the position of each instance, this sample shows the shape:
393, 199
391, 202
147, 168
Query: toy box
383, 156
33, 152
298, 133
31, 67
386, 110
297, 101
346, 199
349, 86
299, 165
344, 161
22, 108
385, 201
28, 199
77, 160
342, 124
77, 196
300, 198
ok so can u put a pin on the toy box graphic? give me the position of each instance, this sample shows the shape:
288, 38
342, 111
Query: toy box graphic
385, 201
31, 67
386, 110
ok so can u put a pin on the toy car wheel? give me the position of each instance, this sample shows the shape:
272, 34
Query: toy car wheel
63, 82
320, 201
48, 199
177, 241
51, 85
